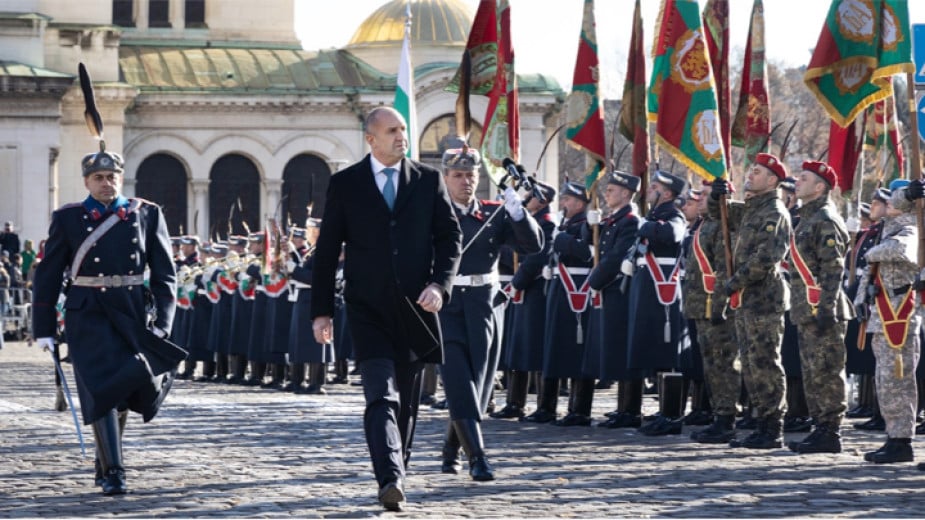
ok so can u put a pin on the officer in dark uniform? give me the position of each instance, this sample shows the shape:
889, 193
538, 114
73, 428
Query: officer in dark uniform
566, 319
302, 345
242, 310
655, 326
471, 322
203, 306
862, 362
618, 233
103, 247
253, 278
223, 287
187, 260
524, 356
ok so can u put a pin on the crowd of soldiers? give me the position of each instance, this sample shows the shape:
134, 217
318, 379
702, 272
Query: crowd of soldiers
611, 296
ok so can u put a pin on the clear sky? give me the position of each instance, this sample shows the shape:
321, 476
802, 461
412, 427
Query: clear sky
545, 32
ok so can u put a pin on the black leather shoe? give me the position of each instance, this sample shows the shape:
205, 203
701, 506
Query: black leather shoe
859, 412
797, 424
663, 426
826, 440
340, 380
539, 416
613, 413
720, 432
574, 419
392, 496
252, 381
869, 456
439, 405
627, 420
920, 429
921, 466
480, 470
875, 423
114, 482
747, 423
698, 418
509, 411
895, 450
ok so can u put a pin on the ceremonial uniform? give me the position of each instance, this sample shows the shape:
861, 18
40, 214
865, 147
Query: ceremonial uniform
115, 257
895, 322
819, 308
203, 303
797, 417
302, 345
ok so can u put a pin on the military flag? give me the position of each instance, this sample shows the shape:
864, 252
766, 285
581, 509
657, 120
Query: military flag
751, 126
585, 125
633, 123
882, 135
404, 90
862, 44
682, 97
844, 152
716, 32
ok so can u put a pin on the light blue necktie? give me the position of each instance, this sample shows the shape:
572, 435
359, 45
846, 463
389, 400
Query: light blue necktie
388, 191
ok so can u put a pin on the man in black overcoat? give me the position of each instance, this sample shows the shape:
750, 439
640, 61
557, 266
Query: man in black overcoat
402, 248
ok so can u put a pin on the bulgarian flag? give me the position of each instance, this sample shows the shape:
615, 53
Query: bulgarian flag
862, 44
404, 90
682, 93
501, 137
633, 123
751, 126
585, 125
716, 25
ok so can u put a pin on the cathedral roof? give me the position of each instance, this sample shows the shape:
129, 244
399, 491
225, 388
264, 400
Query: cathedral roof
434, 22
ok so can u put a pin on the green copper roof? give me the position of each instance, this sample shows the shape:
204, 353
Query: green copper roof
247, 70
19, 70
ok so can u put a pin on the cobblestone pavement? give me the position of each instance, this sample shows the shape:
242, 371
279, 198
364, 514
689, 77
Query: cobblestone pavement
231, 451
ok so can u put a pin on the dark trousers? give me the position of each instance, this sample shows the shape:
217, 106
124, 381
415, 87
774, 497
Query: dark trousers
393, 391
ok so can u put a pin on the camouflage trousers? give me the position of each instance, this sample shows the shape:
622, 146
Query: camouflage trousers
822, 358
720, 354
760, 336
897, 396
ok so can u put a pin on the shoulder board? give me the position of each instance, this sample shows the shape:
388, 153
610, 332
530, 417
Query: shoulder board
487, 202
548, 218
71, 205
143, 201
629, 215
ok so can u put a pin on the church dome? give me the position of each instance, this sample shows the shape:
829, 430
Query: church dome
433, 22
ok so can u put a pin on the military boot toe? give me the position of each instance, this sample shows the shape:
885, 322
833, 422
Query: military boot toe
665, 426
114, 482
875, 423
828, 440
896, 450
539, 416
574, 419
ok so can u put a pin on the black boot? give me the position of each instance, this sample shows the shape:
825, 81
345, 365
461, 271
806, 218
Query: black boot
450, 463
672, 399
516, 396
720, 432
863, 408
797, 418
630, 407
109, 449
470, 437
876, 422
580, 400
340, 372
258, 371
547, 401
825, 438
701, 412
296, 378
770, 434
221, 368
895, 450
869, 456
60, 401
317, 376
238, 366
208, 371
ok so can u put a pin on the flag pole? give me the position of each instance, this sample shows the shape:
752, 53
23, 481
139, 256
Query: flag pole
917, 164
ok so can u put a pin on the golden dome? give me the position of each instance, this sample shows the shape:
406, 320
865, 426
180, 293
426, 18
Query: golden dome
432, 22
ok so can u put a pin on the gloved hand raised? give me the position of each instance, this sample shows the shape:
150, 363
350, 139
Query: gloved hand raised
593, 216
514, 204
915, 190
719, 188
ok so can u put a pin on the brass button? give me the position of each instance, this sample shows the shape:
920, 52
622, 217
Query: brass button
89, 228
132, 256
102, 289
97, 259
135, 240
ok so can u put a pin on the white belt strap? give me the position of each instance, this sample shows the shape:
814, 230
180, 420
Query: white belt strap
475, 280
101, 230
580, 271
109, 281
660, 260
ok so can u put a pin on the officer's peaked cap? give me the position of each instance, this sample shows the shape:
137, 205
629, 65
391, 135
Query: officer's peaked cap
575, 189
102, 161
630, 182
671, 181
465, 158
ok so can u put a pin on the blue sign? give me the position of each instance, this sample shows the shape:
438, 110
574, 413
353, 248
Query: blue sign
920, 107
918, 52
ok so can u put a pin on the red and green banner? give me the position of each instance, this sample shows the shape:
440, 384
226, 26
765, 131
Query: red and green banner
487, 69
716, 25
845, 152
751, 126
882, 135
585, 126
682, 96
633, 122
862, 44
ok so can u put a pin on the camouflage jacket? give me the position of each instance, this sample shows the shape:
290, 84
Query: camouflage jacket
762, 227
710, 237
821, 239
897, 255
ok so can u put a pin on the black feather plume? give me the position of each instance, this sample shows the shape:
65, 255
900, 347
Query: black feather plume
91, 114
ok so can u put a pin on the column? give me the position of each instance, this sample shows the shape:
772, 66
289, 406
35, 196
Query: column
141, 14
274, 191
200, 210
177, 14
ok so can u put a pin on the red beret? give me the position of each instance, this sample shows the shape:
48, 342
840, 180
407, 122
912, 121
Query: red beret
823, 170
772, 163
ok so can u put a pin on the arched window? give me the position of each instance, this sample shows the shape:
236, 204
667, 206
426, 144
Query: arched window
162, 179
234, 196
305, 181
439, 136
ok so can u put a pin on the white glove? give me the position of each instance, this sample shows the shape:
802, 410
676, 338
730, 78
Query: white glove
594, 217
547, 272
514, 204
290, 266
852, 224
46, 343
159, 332
626, 267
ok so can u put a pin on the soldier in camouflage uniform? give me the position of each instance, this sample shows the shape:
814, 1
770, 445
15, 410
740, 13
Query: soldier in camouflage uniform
759, 293
705, 303
892, 290
820, 308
